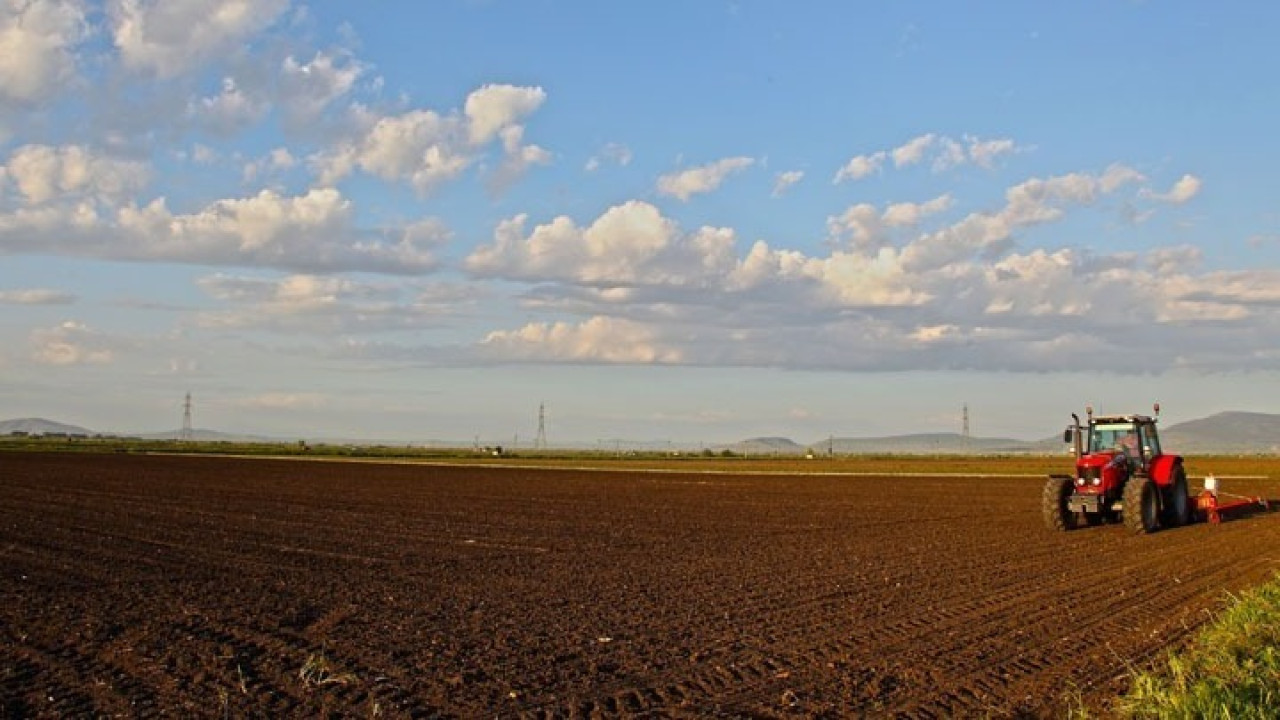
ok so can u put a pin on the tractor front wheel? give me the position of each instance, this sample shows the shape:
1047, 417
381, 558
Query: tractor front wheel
1177, 504
1141, 506
1053, 504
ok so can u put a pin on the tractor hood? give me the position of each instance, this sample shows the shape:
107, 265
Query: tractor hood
1099, 460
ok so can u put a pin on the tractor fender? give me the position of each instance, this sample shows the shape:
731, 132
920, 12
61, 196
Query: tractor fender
1162, 469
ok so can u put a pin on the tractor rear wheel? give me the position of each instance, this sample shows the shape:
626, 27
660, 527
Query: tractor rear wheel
1053, 504
1177, 503
1141, 506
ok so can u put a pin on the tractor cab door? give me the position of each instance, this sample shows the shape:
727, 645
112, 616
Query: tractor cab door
1148, 446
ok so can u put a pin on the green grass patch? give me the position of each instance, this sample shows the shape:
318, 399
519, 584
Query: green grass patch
1232, 670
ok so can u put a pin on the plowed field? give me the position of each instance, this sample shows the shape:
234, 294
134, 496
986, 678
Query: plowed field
178, 586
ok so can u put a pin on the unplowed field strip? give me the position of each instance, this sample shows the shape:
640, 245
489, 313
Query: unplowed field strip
179, 586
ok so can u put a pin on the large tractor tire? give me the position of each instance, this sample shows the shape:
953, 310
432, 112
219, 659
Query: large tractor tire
1177, 502
1141, 506
1053, 504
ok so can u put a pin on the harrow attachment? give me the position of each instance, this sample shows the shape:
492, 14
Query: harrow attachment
1209, 507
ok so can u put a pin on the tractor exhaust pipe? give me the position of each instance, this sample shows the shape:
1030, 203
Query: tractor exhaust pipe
1077, 442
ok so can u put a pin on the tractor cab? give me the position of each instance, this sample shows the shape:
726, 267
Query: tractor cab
1132, 439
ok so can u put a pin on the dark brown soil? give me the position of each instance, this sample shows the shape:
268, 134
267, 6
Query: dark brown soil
177, 586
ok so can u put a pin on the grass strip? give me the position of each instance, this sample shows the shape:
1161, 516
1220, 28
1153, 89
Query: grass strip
1232, 670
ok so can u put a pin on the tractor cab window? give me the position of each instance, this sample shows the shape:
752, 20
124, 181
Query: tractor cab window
1120, 437
1150, 441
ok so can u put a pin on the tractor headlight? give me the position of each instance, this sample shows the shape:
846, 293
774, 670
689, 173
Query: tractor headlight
1097, 481
1079, 481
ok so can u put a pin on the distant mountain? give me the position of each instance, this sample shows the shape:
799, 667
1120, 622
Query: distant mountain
40, 426
1244, 433
766, 446
926, 443
1226, 432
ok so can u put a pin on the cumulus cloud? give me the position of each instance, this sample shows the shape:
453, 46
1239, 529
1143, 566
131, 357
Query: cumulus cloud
913, 150
866, 228
228, 112
43, 173
517, 159
167, 39
36, 296
276, 161
312, 232
614, 153
313, 304
1187, 187
900, 290
629, 244
685, 184
307, 89
493, 108
860, 166
783, 181
942, 152
70, 343
425, 148
38, 41
598, 339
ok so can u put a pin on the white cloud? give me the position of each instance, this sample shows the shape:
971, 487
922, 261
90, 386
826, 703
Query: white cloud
427, 149
493, 108
228, 112
43, 173
517, 159
908, 214
900, 297
1029, 203
169, 38
866, 228
983, 153
630, 244
36, 296
860, 166
327, 305
703, 179
307, 89
70, 343
946, 153
912, 152
612, 153
598, 339
1187, 187
783, 181
278, 160
37, 47
313, 232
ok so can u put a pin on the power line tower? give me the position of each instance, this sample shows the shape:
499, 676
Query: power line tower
540, 442
186, 433
965, 431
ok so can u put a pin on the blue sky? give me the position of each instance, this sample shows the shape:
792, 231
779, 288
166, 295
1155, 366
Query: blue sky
694, 222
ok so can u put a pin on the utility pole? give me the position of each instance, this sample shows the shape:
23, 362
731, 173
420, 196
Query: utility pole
540, 442
187, 432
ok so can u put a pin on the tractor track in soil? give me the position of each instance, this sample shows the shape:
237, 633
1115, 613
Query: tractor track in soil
177, 586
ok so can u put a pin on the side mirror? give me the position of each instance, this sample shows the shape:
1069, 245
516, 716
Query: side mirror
1069, 435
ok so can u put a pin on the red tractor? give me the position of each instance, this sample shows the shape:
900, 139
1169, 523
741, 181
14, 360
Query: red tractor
1121, 472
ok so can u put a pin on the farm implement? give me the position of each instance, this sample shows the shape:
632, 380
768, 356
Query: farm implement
1210, 508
